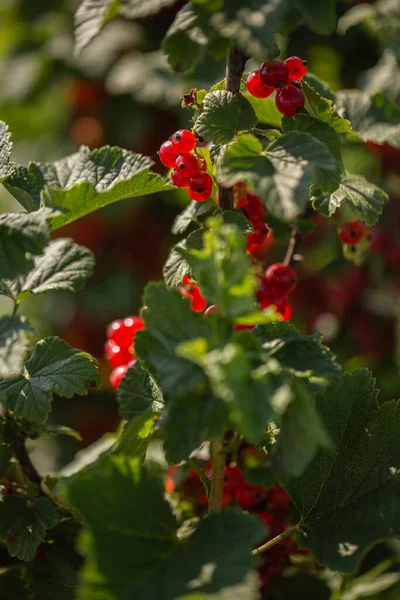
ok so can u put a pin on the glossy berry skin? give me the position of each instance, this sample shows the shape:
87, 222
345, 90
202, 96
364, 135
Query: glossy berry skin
282, 307
183, 140
197, 301
256, 87
290, 100
200, 186
250, 495
116, 355
353, 232
187, 164
167, 154
122, 331
117, 375
297, 68
281, 278
274, 73
179, 178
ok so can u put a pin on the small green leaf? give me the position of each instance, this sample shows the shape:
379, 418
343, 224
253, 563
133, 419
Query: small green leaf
265, 109
242, 160
373, 118
15, 339
299, 160
223, 270
364, 198
63, 266
22, 236
224, 116
136, 436
133, 547
321, 131
54, 367
169, 321
191, 213
6, 168
320, 17
301, 434
53, 429
348, 495
176, 266
84, 182
138, 393
186, 40
304, 354
26, 522
322, 109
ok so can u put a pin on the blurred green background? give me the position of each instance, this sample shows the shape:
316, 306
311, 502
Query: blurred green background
120, 91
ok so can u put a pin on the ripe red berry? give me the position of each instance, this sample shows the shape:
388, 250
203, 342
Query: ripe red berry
168, 154
281, 278
278, 498
240, 327
187, 164
179, 178
250, 495
282, 307
297, 68
200, 186
257, 236
290, 100
183, 140
122, 331
264, 292
197, 301
116, 355
256, 87
117, 375
233, 480
274, 73
351, 233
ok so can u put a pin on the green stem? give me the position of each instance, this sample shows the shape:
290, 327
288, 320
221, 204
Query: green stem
205, 480
277, 539
15, 309
217, 480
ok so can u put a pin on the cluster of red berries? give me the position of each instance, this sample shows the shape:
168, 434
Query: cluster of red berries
279, 280
253, 209
284, 76
119, 348
269, 505
188, 170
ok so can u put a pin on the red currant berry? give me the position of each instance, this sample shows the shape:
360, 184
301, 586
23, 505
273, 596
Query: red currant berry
281, 278
351, 233
256, 87
197, 300
123, 331
116, 355
168, 154
264, 292
250, 496
240, 327
290, 100
187, 164
257, 236
278, 498
297, 68
282, 307
179, 178
183, 140
200, 186
233, 480
274, 73
117, 375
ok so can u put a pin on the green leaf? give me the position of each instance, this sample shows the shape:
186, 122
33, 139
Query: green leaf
92, 15
133, 549
301, 434
53, 429
136, 436
223, 270
85, 182
299, 160
364, 198
15, 338
322, 109
26, 522
242, 160
176, 266
6, 168
320, 17
138, 393
383, 78
186, 40
22, 236
348, 495
321, 131
373, 118
224, 116
54, 367
169, 321
304, 354
191, 420
63, 266
265, 109
191, 213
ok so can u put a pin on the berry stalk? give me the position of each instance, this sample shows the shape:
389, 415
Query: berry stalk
235, 65
277, 539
